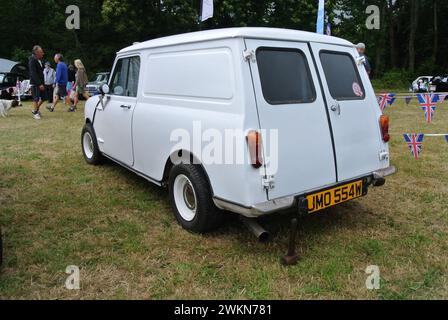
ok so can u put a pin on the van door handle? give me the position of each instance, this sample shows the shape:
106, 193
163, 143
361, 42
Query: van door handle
123, 106
336, 108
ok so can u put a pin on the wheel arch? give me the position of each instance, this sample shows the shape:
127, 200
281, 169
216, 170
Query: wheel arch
191, 159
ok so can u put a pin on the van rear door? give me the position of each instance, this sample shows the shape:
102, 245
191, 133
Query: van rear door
353, 109
291, 107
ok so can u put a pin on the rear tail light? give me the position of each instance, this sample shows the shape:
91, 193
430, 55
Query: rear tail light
255, 148
384, 125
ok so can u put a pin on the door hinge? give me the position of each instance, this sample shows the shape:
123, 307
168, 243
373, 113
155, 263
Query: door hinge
249, 55
269, 182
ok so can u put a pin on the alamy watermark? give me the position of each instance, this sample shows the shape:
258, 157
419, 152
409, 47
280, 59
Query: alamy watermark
373, 21
373, 281
73, 21
223, 147
73, 281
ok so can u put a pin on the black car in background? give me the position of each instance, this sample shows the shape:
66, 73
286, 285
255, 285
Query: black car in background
439, 84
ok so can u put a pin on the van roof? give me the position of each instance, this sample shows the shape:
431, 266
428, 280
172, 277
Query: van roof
253, 33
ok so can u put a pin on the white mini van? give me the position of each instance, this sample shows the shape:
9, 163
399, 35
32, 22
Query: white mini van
313, 135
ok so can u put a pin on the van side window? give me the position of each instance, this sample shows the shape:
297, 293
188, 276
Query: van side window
285, 76
124, 81
342, 76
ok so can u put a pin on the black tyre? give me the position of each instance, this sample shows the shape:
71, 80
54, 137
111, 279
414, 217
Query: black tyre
89, 145
191, 199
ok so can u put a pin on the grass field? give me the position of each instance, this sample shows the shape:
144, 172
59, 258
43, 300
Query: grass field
57, 211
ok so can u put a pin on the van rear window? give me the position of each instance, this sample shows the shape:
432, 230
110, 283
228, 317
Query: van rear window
285, 76
342, 76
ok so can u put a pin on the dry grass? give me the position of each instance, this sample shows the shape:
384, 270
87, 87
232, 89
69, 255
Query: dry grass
57, 211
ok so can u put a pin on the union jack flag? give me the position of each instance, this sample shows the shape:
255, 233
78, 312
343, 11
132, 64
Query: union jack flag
385, 100
415, 143
428, 102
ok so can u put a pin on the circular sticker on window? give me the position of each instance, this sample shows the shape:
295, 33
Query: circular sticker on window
357, 90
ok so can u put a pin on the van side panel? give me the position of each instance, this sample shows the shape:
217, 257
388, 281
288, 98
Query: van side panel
197, 91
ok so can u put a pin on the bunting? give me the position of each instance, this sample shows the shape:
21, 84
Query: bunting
415, 143
408, 100
428, 102
385, 100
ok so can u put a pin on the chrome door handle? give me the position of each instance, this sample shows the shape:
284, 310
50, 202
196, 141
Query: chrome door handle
128, 107
336, 108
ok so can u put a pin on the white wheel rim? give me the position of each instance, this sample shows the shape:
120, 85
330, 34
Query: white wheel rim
88, 145
185, 197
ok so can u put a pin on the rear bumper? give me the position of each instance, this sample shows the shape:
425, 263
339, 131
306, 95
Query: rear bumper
288, 202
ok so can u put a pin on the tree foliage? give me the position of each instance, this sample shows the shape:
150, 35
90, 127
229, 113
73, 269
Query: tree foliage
411, 36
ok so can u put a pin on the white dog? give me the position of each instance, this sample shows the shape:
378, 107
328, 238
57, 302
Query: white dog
6, 105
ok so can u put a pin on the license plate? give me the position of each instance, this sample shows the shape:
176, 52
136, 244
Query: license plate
335, 196
433, 88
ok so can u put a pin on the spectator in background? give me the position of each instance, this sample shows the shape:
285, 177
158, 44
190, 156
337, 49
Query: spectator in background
71, 79
81, 82
50, 77
60, 90
361, 47
37, 80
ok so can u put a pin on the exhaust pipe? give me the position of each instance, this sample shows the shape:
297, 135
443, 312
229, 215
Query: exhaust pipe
262, 235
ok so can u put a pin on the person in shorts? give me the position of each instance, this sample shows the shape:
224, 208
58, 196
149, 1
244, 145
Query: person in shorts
81, 82
60, 89
37, 80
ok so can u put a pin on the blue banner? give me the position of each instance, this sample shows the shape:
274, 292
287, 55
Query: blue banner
320, 17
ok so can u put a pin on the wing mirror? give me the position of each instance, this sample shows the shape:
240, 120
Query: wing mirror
104, 89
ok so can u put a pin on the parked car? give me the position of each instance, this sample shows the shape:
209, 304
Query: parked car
100, 78
300, 104
421, 84
439, 84
8, 81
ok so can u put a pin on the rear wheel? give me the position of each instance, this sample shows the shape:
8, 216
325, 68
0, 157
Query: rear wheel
191, 199
89, 144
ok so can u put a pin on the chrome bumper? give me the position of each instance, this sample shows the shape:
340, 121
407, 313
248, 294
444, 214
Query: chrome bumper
257, 210
383, 173
284, 203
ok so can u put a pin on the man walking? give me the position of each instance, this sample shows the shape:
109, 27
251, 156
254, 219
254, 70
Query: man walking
361, 48
50, 78
60, 90
37, 80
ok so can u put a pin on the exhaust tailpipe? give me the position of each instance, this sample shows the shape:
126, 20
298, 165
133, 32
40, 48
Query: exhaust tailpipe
262, 235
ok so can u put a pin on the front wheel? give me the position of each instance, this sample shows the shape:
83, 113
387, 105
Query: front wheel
191, 199
89, 144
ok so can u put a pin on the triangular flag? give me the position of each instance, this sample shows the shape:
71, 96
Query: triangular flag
415, 143
428, 102
442, 98
408, 100
385, 100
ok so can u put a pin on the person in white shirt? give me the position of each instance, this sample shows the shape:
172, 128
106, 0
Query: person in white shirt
50, 78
